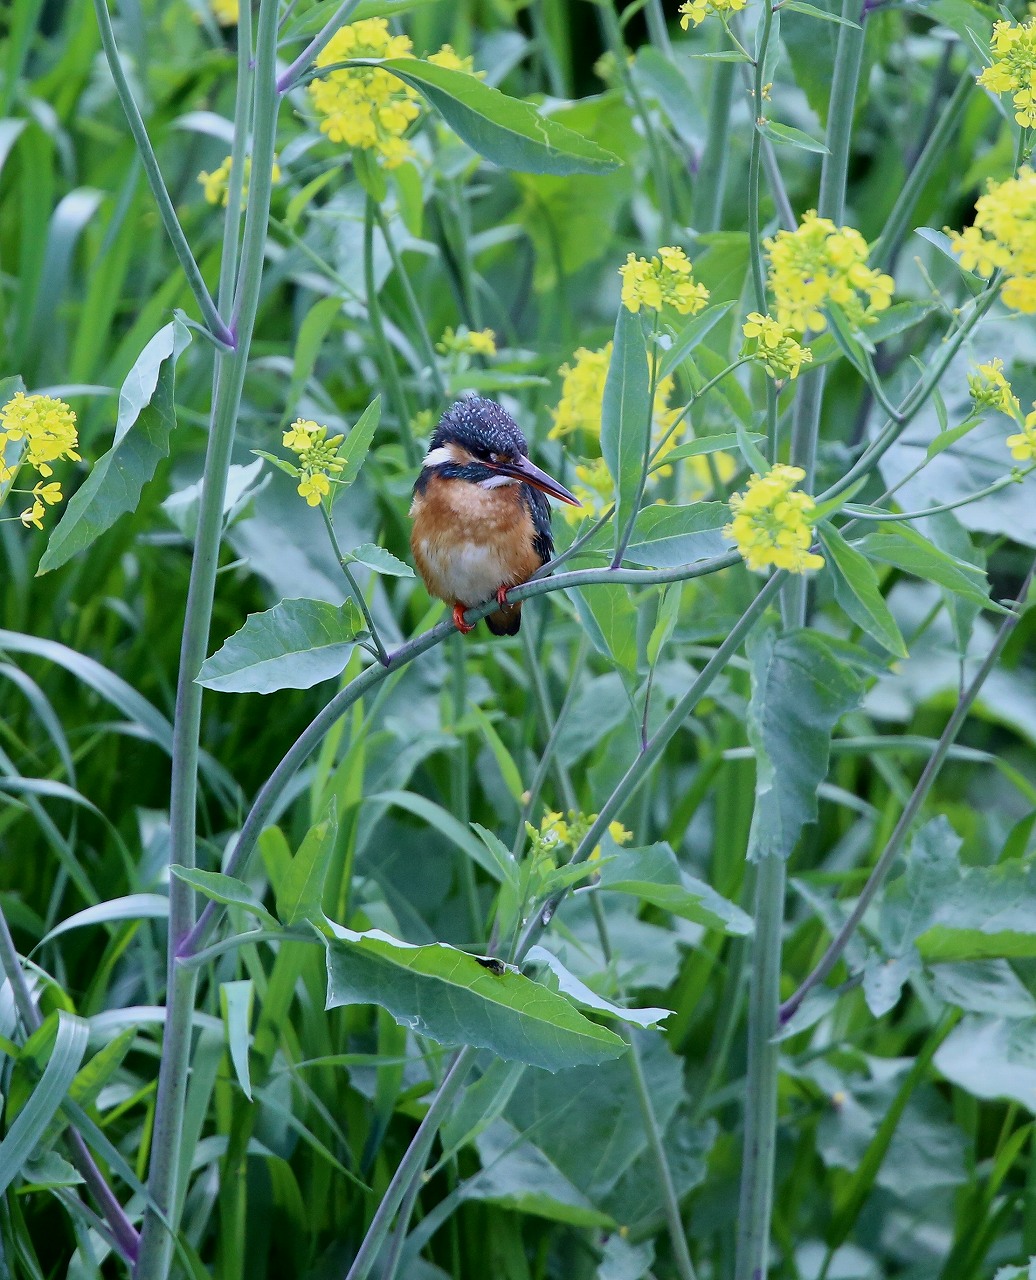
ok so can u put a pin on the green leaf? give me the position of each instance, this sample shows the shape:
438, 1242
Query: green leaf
507, 131
225, 889
135, 906
990, 912
902, 546
992, 1057
706, 445
300, 890
610, 618
665, 622
235, 1002
693, 333
509, 771
23, 1136
444, 822
356, 446
571, 986
380, 560
654, 875
625, 414
501, 855
664, 537
114, 484
950, 436
453, 999
858, 592
799, 6
294, 645
800, 690
749, 452
786, 135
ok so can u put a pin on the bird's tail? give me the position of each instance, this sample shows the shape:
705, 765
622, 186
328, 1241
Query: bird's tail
506, 621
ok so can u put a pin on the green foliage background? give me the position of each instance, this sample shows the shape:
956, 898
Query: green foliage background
906, 1093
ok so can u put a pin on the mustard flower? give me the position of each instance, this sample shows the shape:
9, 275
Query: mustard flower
32, 517
473, 342
1023, 445
665, 280
989, 389
696, 11
818, 263
556, 830
775, 347
216, 185
1003, 238
45, 425
772, 522
582, 397
226, 12
318, 458
594, 489
447, 57
1014, 70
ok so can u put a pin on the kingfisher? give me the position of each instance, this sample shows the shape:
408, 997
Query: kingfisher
480, 512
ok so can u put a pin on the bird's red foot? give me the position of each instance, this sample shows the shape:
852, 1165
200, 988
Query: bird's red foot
501, 596
458, 620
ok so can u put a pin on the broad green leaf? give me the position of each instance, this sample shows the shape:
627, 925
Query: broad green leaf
990, 912
654, 875
380, 560
693, 333
443, 821
228, 890
992, 1057
858, 592
454, 999
984, 986
664, 537
23, 1136
357, 445
294, 645
243, 483
626, 415
610, 619
516, 1175
578, 991
902, 546
115, 481
235, 1002
786, 135
300, 890
507, 131
800, 690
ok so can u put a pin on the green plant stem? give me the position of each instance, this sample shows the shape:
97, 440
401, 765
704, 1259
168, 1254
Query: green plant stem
311, 736
631, 520
243, 93
217, 328
891, 240
702, 390
319, 42
548, 721
877, 516
381, 342
670, 1201
411, 1167
911, 809
354, 586
416, 314
711, 180
755, 165
461, 798
123, 1232
156, 1240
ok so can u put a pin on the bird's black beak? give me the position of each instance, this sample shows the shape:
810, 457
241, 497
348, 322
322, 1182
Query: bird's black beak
525, 470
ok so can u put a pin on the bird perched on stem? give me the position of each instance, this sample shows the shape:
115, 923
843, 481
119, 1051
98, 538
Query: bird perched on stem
481, 520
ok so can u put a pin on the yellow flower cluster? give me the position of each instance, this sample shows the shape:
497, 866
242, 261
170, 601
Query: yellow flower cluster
1003, 238
663, 281
817, 263
226, 12
368, 107
775, 346
697, 11
1023, 445
470, 342
318, 458
43, 430
772, 522
217, 184
556, 829
1014, 70
990, 389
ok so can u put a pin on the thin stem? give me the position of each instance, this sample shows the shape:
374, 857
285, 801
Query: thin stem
911, 808
156, 182
631, 518
416, 314
411, 1167
316, 45
723, 373
310, 738
388, 360
235, 194
124, 1234
860, 513
754, 165
156, 1240
354, 586
711, 179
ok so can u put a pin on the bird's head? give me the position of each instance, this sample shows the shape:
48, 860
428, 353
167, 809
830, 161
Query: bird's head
478, 441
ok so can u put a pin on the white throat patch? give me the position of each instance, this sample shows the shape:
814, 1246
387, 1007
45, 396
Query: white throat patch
496, 482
